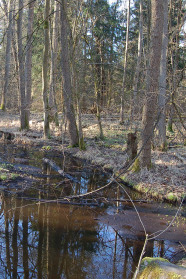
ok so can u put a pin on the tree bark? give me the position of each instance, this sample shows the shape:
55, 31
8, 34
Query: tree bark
149, 110
28, 61
125, 66
24, 123
161, 128
66, 73
8, 56
53, 68
134, 108
45, 88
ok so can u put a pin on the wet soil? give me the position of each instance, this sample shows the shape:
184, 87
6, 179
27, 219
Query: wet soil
164, 181
88, 231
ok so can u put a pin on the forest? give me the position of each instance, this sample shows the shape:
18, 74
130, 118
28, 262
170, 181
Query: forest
99, 84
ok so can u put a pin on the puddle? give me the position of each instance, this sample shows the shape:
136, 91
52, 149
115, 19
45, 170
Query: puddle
53, 240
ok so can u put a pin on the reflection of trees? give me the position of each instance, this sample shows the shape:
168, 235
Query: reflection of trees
41, 243
50, 241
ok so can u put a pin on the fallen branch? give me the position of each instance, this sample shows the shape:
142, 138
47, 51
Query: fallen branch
59, 170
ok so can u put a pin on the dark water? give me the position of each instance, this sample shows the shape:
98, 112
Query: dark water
39, 239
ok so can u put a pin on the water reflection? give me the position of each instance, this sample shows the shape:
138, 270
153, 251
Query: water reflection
55, 241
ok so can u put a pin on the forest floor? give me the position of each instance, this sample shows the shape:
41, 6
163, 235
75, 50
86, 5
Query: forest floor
164, 181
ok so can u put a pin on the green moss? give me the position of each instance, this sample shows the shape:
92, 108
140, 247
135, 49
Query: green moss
171, 197
48, 147
172, 275
3, 177
3, 107
138, 187
136, 166
169, 128
150, 269
82, 144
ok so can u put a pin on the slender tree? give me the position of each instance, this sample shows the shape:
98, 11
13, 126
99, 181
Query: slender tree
161, 127
138, 68
45, 88
125, 66
53, 66
8, 53
28, 60
66, 73
23, 120
149, 110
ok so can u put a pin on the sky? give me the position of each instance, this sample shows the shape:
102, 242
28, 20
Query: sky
124, 3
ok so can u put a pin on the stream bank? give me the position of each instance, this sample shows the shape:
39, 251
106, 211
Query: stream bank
165, 181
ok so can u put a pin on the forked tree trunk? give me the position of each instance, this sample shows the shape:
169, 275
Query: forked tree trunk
66, 73
149, 110
45, 88
161, 128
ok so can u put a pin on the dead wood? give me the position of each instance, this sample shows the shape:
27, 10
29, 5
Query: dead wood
53, 165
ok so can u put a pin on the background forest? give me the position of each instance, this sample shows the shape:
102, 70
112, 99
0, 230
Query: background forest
99, 57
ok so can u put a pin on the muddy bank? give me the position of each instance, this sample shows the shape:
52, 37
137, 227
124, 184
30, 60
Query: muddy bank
164, 181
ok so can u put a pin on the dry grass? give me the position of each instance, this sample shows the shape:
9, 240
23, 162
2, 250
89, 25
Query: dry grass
166, 176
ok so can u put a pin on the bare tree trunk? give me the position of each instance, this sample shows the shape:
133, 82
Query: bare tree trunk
45, 88
24, 123
53, 69
134, 104
149, 110
161, 128
8, 56
28, 61
67, 85
15, 54
125, 66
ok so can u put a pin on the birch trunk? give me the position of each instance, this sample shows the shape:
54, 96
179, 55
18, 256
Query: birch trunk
67, 83
45, 88
125, 66
8, 56
161, 128
23, 122
28, 61
149, 110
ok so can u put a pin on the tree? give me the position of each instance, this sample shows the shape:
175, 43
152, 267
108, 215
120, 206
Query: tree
53, 67
23, 120
137, 71
161, 127
8, 54
45, 88
66, 73
125, 66
149, 110
28, 60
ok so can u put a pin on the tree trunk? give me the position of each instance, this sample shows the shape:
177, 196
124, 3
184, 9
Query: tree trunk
134, 108
125, 67
161, 128
28, 61
45, 71
8, 57
53, 69
24, 123
66, 73
149, 110
98, 86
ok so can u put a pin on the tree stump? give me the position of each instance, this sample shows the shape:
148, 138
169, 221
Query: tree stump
131, 146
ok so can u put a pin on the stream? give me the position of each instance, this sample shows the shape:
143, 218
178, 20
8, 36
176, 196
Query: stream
99, 237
